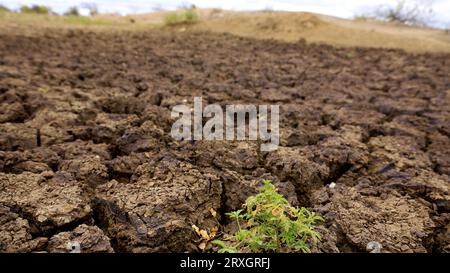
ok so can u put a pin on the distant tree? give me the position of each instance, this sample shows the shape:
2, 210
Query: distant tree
410, 12
92, 7
72, 11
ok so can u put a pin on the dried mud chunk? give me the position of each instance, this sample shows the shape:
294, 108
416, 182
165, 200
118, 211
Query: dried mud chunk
35, 160
294, 137
239, 156
156, 211
151, 98
342, 116
30, 166
122, 105
328, 243
170, 101
59, 177
395, 128
42, 154
15, 233
441, 242
290, 164
244, 94
342, 151
159, 116
148, 137
419, 184
441, 119
53, 125
17, 137
237, 188
274, 95
416, 123
436, 188
291, 115
47, 205
89, 239
125, 166
108, 127
394, 107
89, 169
439, 152
79, 149
403, 151
14, 112
53, 119
399, 224
305, 135
13, 82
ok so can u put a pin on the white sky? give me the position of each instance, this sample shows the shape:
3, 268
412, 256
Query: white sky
339, 8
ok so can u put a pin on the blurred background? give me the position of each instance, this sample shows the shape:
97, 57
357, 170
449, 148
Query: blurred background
437, 12
412, 25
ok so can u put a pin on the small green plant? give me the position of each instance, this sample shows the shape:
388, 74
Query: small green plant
267, 223
36, 9
188, 16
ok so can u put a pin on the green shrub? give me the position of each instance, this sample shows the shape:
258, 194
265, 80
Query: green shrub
72, 11
188, 16
267, 223
37, 9
172, 18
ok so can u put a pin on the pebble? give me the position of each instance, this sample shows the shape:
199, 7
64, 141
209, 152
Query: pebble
374, 247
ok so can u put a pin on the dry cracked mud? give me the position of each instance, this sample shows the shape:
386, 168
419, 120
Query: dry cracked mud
86, 154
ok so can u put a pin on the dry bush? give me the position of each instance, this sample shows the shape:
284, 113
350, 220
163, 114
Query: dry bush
410, 12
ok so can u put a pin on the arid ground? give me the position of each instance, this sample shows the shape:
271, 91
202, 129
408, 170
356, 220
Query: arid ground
86, 153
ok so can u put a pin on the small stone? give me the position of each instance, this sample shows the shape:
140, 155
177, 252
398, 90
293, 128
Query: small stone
374, 247
47, 174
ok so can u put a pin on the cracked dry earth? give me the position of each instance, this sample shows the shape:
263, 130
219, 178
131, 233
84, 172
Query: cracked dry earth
86, 154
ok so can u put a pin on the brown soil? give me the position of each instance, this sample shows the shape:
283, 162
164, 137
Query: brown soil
86, 154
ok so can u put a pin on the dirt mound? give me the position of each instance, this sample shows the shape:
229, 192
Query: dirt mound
86, 153
292, 26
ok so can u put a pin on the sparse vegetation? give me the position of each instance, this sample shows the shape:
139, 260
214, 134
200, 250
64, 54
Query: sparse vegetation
36, 9
267, 223
363, 18
187, 16
3, 8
